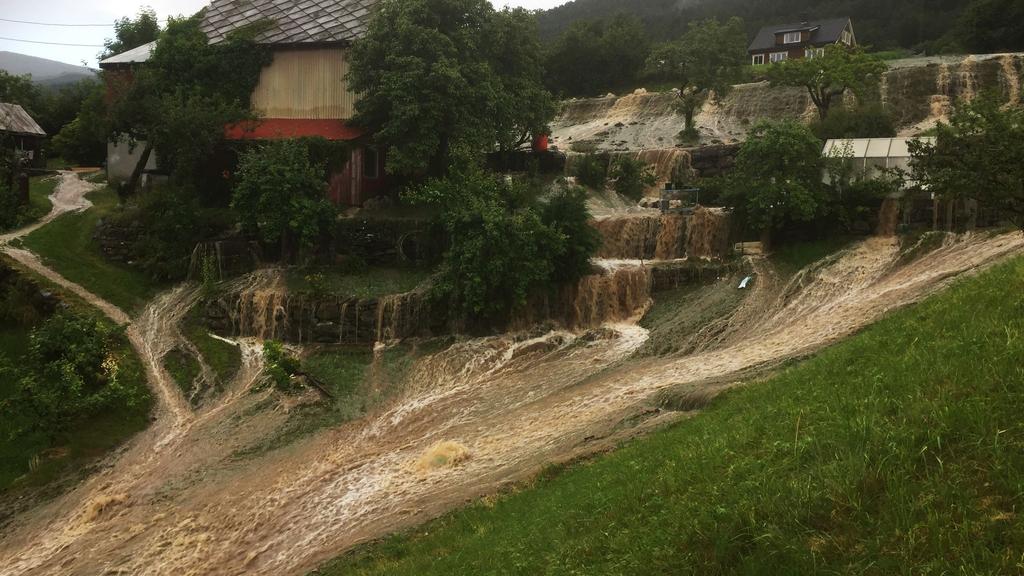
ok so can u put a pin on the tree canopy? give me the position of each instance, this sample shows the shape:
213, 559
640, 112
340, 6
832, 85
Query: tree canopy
978, 155
188, 91
132, 32
827, 76
593, 57
777, 179
444, 77
706, 60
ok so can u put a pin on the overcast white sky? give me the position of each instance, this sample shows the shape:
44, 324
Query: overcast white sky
103, 12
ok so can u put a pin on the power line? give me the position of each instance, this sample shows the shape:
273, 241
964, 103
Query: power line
53, 43
110, 25
54, 23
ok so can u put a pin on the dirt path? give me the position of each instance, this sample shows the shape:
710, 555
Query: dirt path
514, 404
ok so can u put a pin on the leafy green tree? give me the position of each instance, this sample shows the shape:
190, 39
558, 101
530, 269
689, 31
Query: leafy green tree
777, 178
591, 170
567, 214
632, 177
978, 156
830, 75
598, 56
188, 91
705, 61
447, 77
83, 138
132, 32
523, 107
280, 195
499, 250
20, 90
73, 372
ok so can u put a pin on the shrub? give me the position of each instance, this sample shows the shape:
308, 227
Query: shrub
592, 171
172, 221
73, 372
862, 122
632, 177
280, 365
567, 214
500, 250
280, 196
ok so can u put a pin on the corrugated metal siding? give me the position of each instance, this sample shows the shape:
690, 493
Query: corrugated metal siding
305, 83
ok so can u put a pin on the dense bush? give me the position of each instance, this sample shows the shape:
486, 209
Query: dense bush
977, 156
170, 221
503, 247
632, 177
280, 196
869, 121
280, 365
591, 170
777, 179
74, 371
566, 213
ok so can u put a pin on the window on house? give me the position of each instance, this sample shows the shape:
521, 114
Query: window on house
758, 59
778, 56
847, 37
814, 52
791, 38
371, 163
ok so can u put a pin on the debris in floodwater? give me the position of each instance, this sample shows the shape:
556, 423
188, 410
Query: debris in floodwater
444, 454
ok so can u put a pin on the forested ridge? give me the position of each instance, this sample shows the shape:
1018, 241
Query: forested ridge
926, 25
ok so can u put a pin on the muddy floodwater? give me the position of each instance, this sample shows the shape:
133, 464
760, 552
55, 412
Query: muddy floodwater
470, 419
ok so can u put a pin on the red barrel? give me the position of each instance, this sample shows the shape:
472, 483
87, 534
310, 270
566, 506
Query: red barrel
540, 143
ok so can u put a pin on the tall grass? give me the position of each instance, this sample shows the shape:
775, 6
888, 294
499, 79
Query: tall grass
899, 451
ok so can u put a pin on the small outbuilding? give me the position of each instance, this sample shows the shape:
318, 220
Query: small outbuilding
20, 133
872, 156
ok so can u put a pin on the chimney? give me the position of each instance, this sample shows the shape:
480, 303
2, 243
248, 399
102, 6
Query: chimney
804, 19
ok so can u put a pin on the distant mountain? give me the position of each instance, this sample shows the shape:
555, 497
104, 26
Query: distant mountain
881, 23
43, 71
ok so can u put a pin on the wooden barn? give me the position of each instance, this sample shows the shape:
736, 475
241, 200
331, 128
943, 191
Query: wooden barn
21, 134
303, 92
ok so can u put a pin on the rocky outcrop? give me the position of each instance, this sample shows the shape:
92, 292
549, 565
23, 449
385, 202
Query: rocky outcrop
917, 92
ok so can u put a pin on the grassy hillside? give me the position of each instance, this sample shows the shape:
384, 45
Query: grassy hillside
67, 246
899, 451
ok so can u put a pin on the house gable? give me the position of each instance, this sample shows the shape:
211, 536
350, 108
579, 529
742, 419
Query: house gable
797, 39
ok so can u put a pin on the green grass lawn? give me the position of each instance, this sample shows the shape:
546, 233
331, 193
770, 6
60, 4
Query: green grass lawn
898, 451
343, 373
183, 368
791, 258
67, 246
223, 358
370, 283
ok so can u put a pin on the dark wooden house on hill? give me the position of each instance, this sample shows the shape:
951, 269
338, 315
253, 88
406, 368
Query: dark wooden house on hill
799, 40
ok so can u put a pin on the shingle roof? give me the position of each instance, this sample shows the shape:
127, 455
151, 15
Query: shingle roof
15, 120
827, 32
294, 22
133, 56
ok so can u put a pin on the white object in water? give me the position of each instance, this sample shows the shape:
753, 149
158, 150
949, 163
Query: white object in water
746, 282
